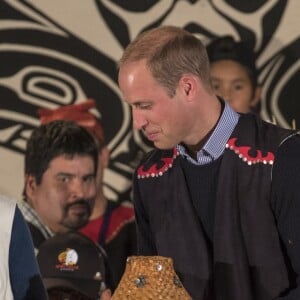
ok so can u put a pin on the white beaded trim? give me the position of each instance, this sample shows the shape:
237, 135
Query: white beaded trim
157, 173
249, 160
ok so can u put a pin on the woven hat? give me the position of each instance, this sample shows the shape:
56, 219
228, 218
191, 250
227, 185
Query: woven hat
79, 113
71, 260
150, 277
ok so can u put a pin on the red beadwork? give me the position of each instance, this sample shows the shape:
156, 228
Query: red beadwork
243, 153
153, 171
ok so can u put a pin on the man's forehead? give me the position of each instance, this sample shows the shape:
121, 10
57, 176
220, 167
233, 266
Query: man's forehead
70, 161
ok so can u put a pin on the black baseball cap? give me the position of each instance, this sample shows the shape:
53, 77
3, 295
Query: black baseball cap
71, 260
226, 48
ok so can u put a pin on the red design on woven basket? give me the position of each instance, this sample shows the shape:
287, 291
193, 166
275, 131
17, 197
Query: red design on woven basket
243, 153
154, 171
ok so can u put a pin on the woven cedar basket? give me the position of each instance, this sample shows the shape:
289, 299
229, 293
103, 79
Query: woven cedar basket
150, 277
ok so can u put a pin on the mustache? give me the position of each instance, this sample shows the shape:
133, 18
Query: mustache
83, 202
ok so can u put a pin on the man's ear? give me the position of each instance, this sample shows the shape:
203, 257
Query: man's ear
188, 85
30, 188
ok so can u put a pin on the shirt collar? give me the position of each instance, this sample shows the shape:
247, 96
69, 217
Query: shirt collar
32, 217
216, 143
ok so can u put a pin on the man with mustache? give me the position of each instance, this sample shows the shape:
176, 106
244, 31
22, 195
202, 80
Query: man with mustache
111, 223
60, 169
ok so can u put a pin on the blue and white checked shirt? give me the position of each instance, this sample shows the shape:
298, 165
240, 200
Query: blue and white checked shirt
215, 145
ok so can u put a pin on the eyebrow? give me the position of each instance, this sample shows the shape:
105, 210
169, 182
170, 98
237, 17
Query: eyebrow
73, 175
139, 102
63, 174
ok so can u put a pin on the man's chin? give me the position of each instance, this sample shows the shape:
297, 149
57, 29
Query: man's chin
76, 222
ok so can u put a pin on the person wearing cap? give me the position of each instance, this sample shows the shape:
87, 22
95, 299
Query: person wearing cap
203, 195
61, 162
73, 267
234, 74
112, 223
19, 273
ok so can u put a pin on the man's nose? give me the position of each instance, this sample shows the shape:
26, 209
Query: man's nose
77, 188
139, 120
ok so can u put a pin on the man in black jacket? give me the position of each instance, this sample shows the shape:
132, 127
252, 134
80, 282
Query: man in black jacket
203, 197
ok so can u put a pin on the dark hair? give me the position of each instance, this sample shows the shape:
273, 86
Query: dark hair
226, 48
54, 139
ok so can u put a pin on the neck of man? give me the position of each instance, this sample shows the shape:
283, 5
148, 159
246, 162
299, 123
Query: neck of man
211, 120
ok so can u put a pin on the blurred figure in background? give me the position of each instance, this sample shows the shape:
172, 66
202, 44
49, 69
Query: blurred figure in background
73, 267
112, 224
19, 273
234, 74
61, 162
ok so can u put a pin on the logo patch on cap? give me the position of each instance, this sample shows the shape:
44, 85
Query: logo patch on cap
68, 260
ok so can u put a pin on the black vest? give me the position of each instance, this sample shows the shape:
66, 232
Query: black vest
247, 262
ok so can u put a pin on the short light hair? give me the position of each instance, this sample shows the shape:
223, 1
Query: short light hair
169, 53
